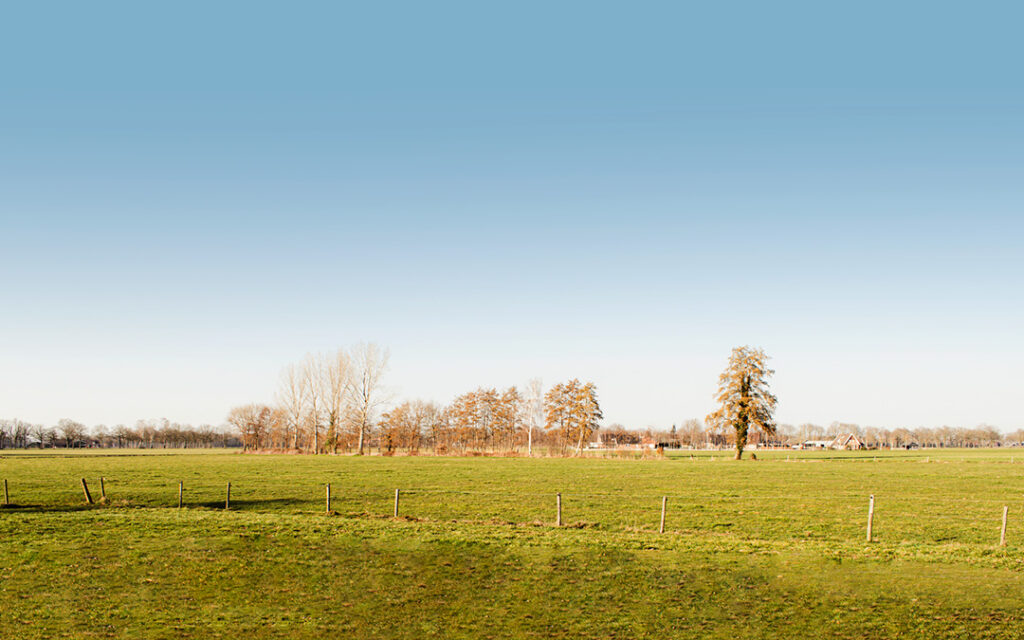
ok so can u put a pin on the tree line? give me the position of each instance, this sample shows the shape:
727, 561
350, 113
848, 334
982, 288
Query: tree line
336, 403
746, 408
327, 403
146, 434
417, 425
693, 433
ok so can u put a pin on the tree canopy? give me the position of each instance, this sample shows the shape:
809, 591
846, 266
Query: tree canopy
743, 396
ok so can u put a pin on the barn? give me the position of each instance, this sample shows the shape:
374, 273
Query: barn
847, 442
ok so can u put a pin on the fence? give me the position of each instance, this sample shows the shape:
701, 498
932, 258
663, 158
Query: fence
829, 517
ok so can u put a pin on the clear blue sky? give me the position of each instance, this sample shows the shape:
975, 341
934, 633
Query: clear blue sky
196, 194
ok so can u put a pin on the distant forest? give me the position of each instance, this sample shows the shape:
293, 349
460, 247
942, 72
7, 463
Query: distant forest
421, 427
146, 434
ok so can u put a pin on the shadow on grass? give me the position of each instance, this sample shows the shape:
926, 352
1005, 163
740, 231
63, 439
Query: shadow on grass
236, 505
244, 505
40, 508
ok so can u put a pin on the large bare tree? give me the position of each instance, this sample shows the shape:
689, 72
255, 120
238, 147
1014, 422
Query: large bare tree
744, 400
313, 371
335, 380
533, 410
291, 397
366, 393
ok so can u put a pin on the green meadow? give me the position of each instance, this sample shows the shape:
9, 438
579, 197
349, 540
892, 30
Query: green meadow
773, 548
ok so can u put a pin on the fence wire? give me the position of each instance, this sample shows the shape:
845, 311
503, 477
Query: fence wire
836, 516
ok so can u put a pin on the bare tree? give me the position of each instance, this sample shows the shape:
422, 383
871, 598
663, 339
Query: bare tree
369, 362
809, 431
335, 380
102, 434
291, 397
312, 374
254, 422
121, 435
429, 417
71, 431
52, 437
39, 432
533, 410
20, 433
692, 432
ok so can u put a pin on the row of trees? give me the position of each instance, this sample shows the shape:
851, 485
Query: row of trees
148, 434
485, 419
746, 410
335, 402
946, 436
326, 403
693, 433
417, 425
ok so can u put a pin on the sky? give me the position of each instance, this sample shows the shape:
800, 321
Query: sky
195, 195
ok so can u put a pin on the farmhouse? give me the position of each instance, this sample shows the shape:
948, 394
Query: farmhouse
848, 442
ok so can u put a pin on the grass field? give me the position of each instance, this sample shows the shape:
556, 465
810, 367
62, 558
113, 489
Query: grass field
765, 549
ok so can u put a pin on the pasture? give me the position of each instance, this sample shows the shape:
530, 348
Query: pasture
772, 548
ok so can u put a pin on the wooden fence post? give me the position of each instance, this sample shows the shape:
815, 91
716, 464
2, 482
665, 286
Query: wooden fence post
328, 497
871, 515
1002, 533
664, 503
558, 516
85, 488
181, 487
397, 491
103, 489
227, 499
7, 498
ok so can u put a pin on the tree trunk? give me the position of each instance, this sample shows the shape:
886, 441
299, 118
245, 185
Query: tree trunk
362, 430
741, 440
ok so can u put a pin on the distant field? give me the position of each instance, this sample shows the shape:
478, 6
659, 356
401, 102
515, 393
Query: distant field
772, 548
